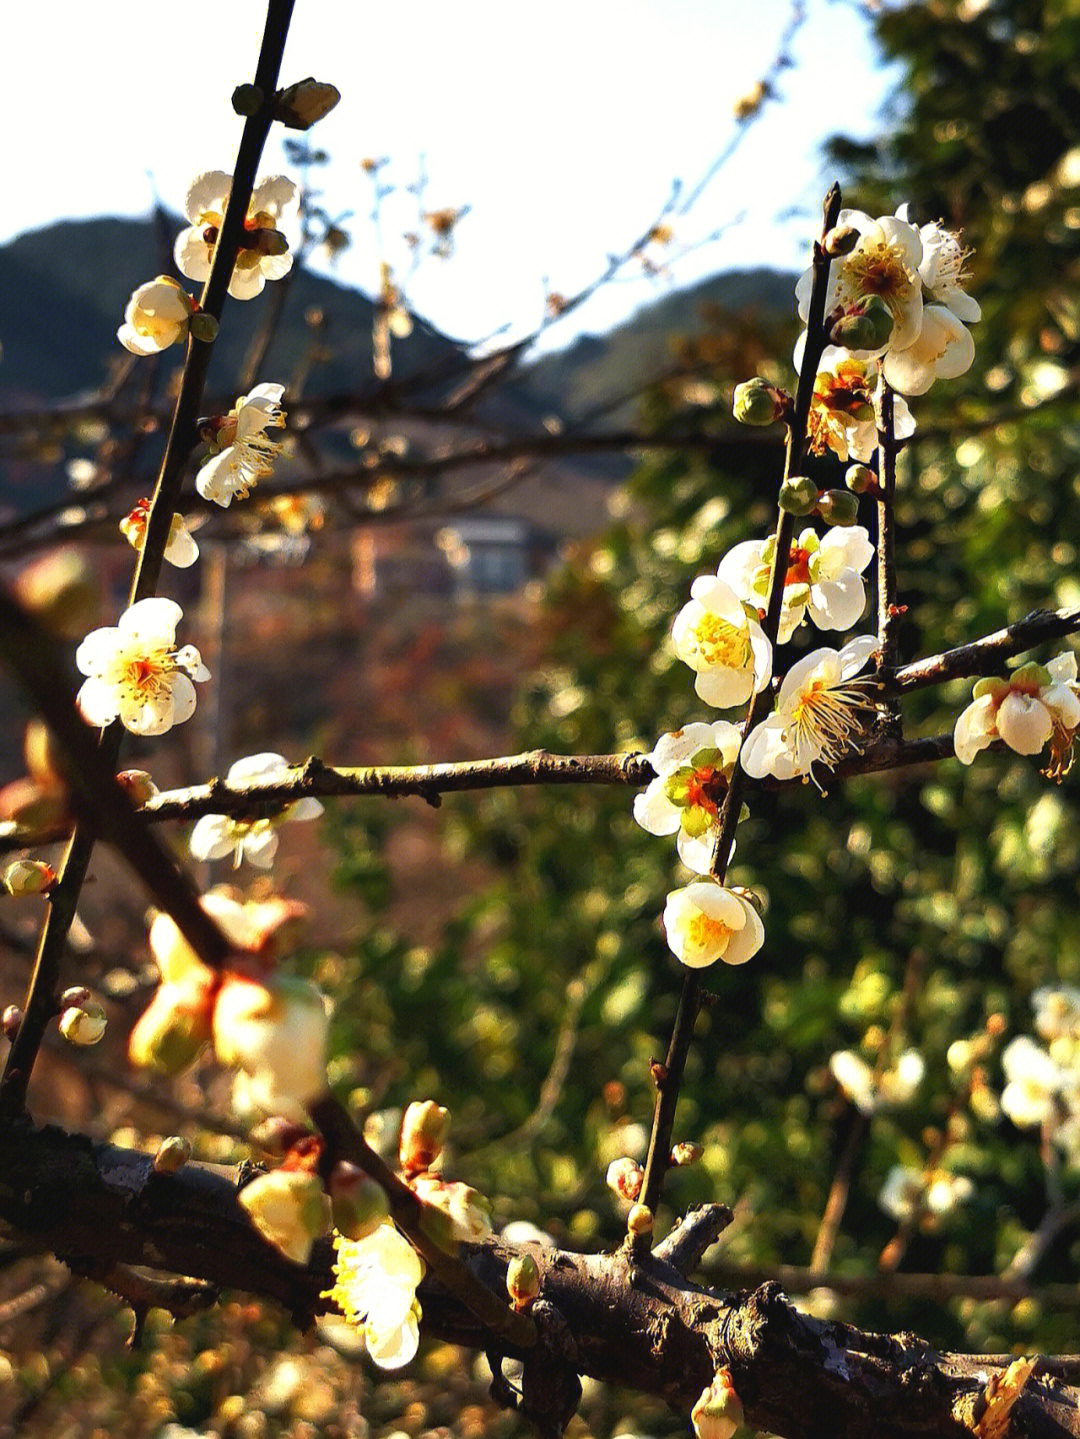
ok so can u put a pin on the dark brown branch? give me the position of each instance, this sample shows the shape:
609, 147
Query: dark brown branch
696, 1231
640, 1325
987, 656
888, 611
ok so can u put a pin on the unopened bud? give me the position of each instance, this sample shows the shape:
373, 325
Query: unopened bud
838, 507
29, 876
860, 479
640, 1220
277, 1135
172, 1154
10, 1022
299, 106
686, 1153
866, 327
83, 1024
204, 327
77, 994
756, 402
270, 242
625, 1177
798, 495
137, 784
172, 1029
289, 1208
246, 99
719, 1412
840, 240
359, 1203
423, 1131
522, 1280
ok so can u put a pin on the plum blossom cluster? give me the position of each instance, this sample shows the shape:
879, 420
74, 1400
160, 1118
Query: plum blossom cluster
1042, 1080
256, 840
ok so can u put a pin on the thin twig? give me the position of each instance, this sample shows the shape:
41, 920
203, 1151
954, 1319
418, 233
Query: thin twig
888, 611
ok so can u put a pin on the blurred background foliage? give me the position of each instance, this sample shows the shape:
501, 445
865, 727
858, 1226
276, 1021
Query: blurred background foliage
534, 1015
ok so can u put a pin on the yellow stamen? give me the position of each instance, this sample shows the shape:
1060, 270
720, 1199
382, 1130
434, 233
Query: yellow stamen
717, 641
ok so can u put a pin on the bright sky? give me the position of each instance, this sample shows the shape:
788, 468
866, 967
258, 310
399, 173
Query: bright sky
562, 124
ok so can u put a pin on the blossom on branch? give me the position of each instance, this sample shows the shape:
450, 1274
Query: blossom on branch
823, 577
243, 453
818, 716
157, 315
135, 673
375, 1288
884, 263
180, 549
870, 1091
845, 410
1036, 705
274, 1030
693, 768
256, 840
706, 921
290, 1209
906, 1191
722, 643
264, 251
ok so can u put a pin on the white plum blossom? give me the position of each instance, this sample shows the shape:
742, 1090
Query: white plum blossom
1057, 1012
943, 350
275, 1031
906, 1191
1033, 1083
180, 548
818, 716
884, 263
706, 921
823, 578
243, 452
135, 673
157, 315
1037, 704
256, 840
693, 767
942, 269
264, 252
375, 1288
845, 409
722, 643
869, 1092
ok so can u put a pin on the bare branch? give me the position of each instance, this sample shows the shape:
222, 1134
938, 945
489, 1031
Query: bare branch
987, 656
696, 1231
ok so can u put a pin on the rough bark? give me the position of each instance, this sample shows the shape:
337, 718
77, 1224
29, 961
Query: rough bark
638, 1324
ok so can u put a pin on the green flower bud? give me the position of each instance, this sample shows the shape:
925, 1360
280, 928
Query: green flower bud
860, 479
358, 1202
838, 507
172, 1154
756, 402
799, 495
29, 876
204, 327
522, 1280
246, 99
83, 1025
686, 1153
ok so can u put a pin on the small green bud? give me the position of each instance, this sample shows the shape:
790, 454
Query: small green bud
860, 479
29, 876
838, 507
204, 327
83, 1025
798, 495
247, 99
840, 240
1032, 673
359, 1203
522, 1280
172, 1154
756, 402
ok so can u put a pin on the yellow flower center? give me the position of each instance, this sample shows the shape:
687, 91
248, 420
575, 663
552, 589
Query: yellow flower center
144, 676
879, 270
705, 935
717, 641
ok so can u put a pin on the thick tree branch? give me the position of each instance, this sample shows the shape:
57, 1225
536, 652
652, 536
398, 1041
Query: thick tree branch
987, 655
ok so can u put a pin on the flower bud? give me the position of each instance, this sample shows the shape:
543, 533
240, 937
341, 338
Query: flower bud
860, 479
290, 1209
468, 1210
269, 242
423, 1131
10, 1022
798, 495
625, 1176
359, 1203
864, 327
838, 507
276, 1032
246, 99
83, 1024
299, 106
137, 784
77, 994
719, 1412
204, 327
756, 402
172, 1029
522, 1280
686, 1153
840, 241
172, 1154
277, 1135
640, 1220
29, 876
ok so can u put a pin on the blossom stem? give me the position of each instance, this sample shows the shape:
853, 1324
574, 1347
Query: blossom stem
670, 1075
888, 613
40, 1003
